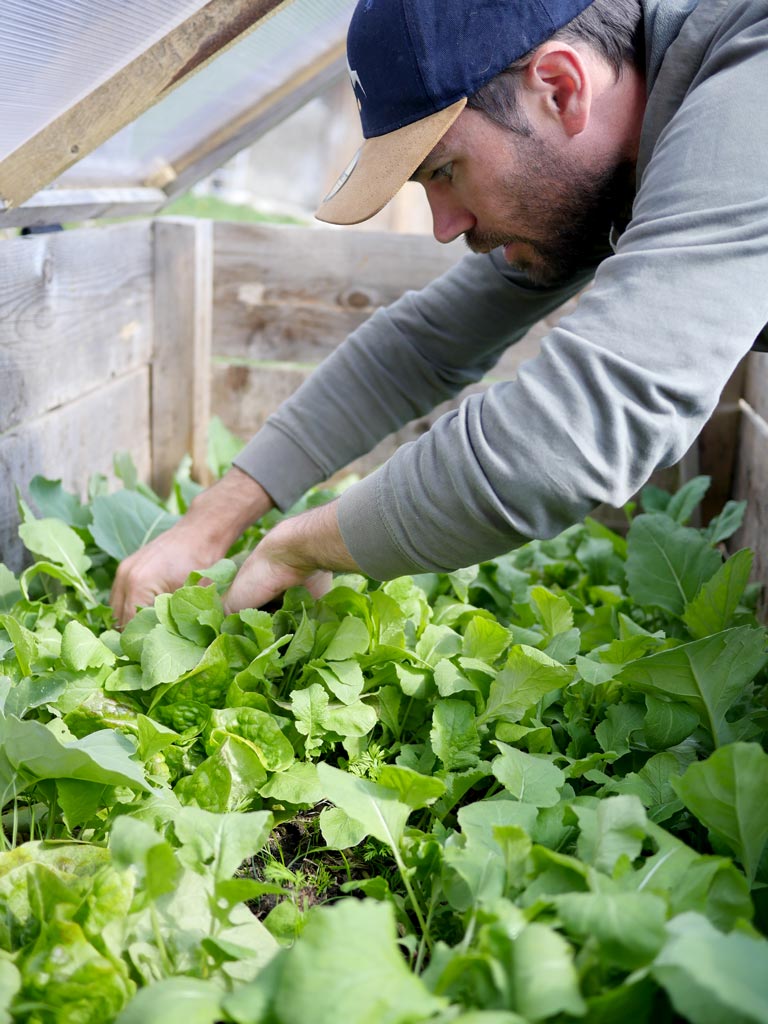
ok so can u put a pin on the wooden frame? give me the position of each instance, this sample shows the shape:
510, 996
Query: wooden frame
129, 92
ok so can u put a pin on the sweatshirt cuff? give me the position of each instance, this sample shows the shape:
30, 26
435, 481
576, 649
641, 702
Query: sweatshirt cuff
283, 469
367, 534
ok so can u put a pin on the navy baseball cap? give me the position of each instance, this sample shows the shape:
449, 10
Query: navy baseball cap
413, 63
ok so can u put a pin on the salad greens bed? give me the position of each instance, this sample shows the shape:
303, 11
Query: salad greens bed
534, 790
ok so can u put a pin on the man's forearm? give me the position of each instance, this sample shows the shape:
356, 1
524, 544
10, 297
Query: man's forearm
220, 514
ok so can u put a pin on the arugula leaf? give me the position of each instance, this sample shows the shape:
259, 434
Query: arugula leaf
528, 676
454, 736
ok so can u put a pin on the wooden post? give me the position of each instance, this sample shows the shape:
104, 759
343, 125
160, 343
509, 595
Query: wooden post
752, 476
180, 402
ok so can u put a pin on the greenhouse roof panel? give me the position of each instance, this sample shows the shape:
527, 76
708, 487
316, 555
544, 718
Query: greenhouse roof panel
299, 37
55, 52
151, 94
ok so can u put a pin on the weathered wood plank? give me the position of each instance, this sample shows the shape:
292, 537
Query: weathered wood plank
182, 356
62, 205
75, 311
71, 443
274, 322
129, 92
295, 293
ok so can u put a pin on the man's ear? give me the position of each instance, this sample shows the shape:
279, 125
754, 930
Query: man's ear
558, 79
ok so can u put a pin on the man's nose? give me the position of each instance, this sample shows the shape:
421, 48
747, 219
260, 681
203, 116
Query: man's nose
450, 218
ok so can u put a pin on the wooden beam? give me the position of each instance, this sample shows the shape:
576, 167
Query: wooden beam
63, 205
128, 93
180, 401
256, 120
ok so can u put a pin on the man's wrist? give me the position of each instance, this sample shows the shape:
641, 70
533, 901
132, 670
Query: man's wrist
221, 513
312, 541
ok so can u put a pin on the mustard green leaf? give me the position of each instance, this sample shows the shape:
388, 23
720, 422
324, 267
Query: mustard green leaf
219, 843
711, 977
628, 927
667, 563
340, 831
53, 541
351, 638
125, 521
165, 656
682, 505
175, 1001
485, 639
713, 608
377, 808
544, 977
529, 778
104, 756
553, 611
709, 674
375, 985
727, 793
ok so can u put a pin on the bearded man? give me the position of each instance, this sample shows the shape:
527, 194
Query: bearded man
623, 142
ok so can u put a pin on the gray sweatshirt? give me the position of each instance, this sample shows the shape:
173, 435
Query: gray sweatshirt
622, 386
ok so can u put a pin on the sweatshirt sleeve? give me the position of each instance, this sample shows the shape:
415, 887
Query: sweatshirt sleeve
400, 364
625, 383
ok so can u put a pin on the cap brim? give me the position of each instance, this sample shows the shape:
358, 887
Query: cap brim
382, 166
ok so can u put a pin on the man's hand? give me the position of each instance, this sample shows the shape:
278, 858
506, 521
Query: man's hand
215, 519
302, 550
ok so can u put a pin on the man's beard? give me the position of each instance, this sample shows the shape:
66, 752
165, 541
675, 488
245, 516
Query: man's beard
572, 209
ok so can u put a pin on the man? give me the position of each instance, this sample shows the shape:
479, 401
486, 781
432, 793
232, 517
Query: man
541, 130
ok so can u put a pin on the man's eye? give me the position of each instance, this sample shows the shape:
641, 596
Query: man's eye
446, 171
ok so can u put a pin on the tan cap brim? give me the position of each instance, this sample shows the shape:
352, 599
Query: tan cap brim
382, 166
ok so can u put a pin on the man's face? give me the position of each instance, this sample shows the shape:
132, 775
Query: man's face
547, 210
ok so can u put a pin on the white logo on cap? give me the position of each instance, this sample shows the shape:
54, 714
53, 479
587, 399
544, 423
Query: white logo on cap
342, 179
355, 79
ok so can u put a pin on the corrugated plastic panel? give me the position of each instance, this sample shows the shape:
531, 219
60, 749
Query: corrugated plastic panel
268, 57
54, 52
